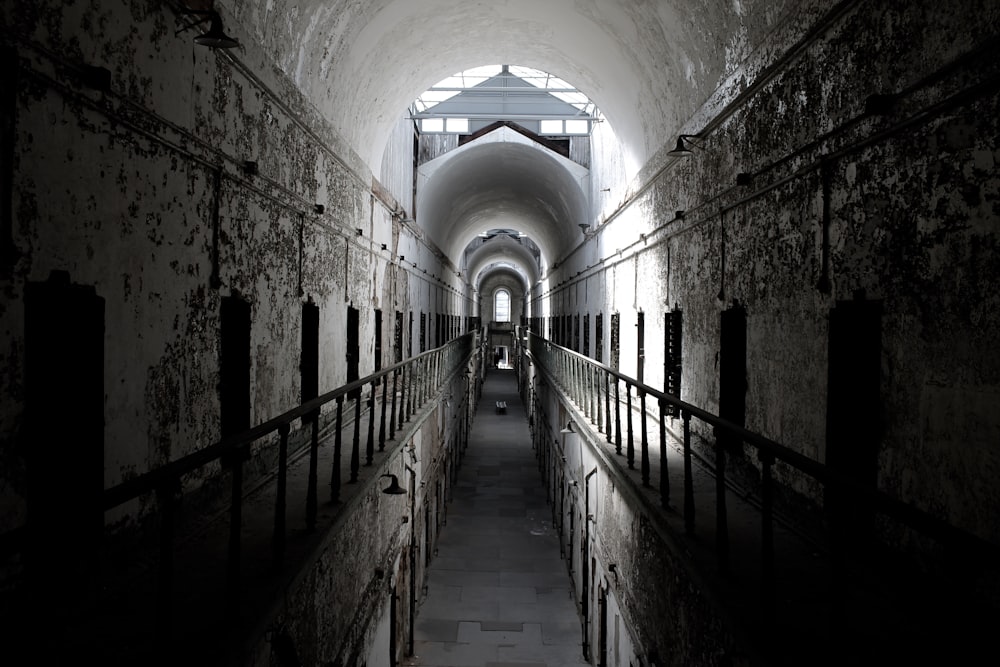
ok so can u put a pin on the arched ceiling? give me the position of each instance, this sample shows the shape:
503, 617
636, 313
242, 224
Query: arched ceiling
502, 249
502, 180
648, 65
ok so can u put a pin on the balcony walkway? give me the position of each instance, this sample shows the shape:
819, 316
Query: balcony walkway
498, 592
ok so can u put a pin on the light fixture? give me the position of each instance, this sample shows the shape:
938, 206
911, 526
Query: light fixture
681, 149
358, 231
394, 489
249, 167
319, 208
569, 427
215, 37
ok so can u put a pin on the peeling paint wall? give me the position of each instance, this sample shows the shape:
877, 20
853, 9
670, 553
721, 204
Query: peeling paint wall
184, 176
913, 209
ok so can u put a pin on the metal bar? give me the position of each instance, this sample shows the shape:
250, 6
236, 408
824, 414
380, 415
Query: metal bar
313, 490
337, 449
278, 539
381, 424
370, 442
664, 477
645, 438
630, 449
356, 441
721, 520
392, 412
618, 419
607, 406
235, 529
767, 537
688, 476
165, 572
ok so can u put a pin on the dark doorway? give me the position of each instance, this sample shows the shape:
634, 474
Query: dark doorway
64, 428
853, 415
599, 337
423, 332
234, 366
673, 322
353, 348
733, 370
409, 338
616, 319
586, 335
576, 332
309, 360
640, 332
378, 340
397, 339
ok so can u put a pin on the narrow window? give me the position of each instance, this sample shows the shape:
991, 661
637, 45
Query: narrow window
501, 306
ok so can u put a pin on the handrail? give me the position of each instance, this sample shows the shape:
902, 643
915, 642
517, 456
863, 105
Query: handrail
413, 381
584, 380
155, 479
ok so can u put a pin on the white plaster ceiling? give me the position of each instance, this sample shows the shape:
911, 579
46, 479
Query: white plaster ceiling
647, 65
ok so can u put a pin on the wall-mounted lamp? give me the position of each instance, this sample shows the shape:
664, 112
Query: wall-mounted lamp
319, 209
569, 427
383, 246
402, 258
679, 215
682, 149
744, 179
215, 37
358, 231
394, 489
249, 167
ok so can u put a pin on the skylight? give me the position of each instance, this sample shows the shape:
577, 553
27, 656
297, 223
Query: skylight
468, 100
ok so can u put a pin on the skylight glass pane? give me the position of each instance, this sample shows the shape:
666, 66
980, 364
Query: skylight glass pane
458, 125
577, 127
551, 127
432, 125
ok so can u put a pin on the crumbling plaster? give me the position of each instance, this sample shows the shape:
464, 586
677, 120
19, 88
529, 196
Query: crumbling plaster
913, 209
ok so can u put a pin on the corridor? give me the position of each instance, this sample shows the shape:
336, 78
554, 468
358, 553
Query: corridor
498, 592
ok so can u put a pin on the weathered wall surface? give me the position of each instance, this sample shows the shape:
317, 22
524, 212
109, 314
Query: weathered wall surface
138, 186
910, 208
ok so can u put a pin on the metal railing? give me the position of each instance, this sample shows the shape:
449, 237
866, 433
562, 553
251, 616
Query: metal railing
403, 387
610, 400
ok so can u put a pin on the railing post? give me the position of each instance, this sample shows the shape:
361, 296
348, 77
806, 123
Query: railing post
645, 438
278, 540
381, 424
767, 535
167, 503
356, 441
393, 413
618, 417
406, 394
664, 477
688, 476
338, 438
607, 406
721, 520
630, 450
236, 459
312, 490
370, 442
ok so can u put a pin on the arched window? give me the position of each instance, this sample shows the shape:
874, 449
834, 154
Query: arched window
501, 306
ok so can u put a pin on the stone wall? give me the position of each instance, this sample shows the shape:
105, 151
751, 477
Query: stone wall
168, 176
808, 187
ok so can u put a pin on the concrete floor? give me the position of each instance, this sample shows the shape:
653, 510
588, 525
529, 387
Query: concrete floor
498, 592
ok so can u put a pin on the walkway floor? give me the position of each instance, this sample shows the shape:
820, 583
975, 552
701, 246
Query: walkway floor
498, 592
